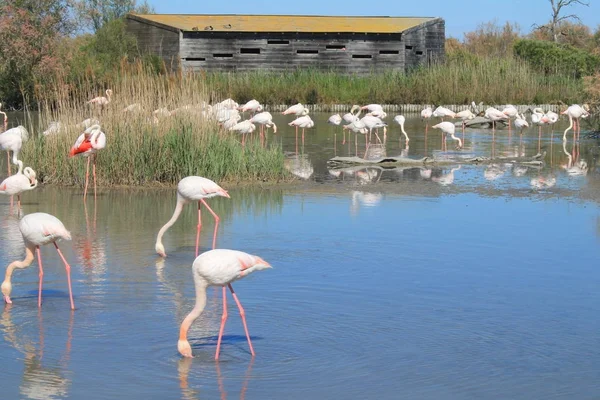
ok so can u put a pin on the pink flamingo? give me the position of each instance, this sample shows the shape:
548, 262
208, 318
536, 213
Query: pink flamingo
245, 127
448, 128
264, 119
575, 112
192, 188
38, 229
218, 267
253, 106
426, 113
88, 144
297, 109
12, 140
303, 122
336, 120
22, 181
101, 100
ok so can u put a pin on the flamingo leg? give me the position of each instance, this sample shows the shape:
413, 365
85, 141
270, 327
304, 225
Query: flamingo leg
198, 228
8, 161
87, 175
223, 320
217, 219
243, 315
68, 269
41, 275
94, 174
303, 137
344, 141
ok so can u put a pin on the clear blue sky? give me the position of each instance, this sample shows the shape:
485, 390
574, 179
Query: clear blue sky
461, 16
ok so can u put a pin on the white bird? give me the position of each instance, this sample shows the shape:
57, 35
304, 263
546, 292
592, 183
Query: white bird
304, 122
218, 267
88, 144
226, 114
372, 107
495, 115
38, 229
351, 117
465, 115
521, 123
54, 127
378, 113
101, 100
441, 112
231, 122
448, 128
253, 106
539, 118
24, 179
336, 120
510, 111
446, 179
426, 113
192, 188
227, 104
244, 128
575, 112
399, 119
297, 110
372, 122
264, 119
12, 140
133, 107
552, 118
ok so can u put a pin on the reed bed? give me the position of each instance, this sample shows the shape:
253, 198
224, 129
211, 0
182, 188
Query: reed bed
144, 148
459, 80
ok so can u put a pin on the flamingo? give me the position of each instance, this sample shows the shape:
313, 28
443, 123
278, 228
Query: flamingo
227, 104
511, 112
446, 179
378, 113
351, 117
373, 108
192, 188
2, 112
297, 110
358, 126
38, 229
12, 140
88, 144
54, 127
303, 122
218, 267
426, 113
101, 100
371, 123
495, 115
245, 127
448, 128
520, 123
442, 112
231, 122
399, 119
336, 120
253, 106
574, 112
133, 107
225, 114
465, 115
264, 119
24, 179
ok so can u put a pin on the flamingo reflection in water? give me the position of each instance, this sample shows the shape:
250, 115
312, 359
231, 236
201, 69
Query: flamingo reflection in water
446, 179
299, 165
39, 381
187, 393
493, 172
365, 199
577, 168
542, 182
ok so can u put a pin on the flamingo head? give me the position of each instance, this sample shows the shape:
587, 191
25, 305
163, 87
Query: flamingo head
160, 249
184, 348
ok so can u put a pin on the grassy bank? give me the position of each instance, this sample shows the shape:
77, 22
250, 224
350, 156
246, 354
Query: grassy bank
459, 80
144, 148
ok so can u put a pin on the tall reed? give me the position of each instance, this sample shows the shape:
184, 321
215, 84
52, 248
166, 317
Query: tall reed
144, 148
458, 80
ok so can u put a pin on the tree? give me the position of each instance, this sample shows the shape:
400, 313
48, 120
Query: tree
558, 7
93, 14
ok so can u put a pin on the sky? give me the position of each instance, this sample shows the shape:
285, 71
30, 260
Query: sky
461, 16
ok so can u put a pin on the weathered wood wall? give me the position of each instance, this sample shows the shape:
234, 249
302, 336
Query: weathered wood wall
244, 51
156, 40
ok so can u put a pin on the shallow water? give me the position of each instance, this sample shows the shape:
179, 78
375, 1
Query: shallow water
386, 284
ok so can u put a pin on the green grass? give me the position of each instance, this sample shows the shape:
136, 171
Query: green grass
459, 80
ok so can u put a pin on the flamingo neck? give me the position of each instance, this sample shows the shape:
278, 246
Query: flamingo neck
180, 203
456, 138
201, 286
403, 131
6, 285
569, 128
19, 163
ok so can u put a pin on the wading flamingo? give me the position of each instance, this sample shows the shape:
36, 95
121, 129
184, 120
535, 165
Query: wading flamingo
351, 117
88, 144
192, 188
304, 122
574, 112
448, 128
218, 267
2, 112
244, 128
12, 140
371, 123
38, 229
426, 113
336, 120
253, 106
399, 119
264, 119
101, 100
495, 115
511, 112
552, 119
442, 112
358, 127
521, 123
465, 115
377, 108
297, 110
23, 180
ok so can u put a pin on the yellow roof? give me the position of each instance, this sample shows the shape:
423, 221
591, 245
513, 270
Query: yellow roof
283, 23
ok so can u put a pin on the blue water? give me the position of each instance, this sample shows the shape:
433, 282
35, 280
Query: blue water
399, 289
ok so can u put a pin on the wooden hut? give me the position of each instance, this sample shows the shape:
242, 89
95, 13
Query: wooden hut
280, 42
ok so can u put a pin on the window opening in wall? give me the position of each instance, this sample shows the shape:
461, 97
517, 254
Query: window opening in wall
307, 51
195, 59
389, 52
249, 51
335, 47
362, 56
278, 42
409, 47
223, 55
419, 53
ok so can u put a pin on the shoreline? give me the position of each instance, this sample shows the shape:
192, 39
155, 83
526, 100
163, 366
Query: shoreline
408, 108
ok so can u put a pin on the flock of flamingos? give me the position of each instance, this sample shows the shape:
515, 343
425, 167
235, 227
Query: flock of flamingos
220, 267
